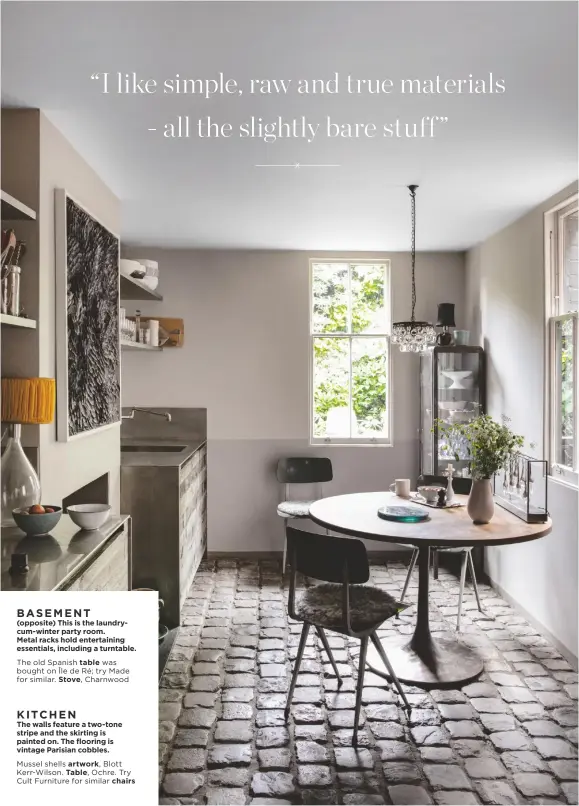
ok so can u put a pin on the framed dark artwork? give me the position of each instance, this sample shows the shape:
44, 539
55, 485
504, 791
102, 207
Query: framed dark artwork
87, 322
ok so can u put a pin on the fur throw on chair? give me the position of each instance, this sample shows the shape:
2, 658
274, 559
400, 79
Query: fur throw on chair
369, 606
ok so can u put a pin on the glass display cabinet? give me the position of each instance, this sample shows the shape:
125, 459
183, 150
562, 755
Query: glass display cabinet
453, 389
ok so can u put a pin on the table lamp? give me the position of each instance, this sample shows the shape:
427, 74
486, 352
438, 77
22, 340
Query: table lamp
445, 321
25, 401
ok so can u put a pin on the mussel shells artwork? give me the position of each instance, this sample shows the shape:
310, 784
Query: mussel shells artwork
87, 311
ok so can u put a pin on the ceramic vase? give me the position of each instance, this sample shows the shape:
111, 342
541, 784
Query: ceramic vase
20, 484
481, 505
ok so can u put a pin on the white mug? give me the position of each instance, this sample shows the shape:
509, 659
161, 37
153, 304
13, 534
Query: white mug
401, 487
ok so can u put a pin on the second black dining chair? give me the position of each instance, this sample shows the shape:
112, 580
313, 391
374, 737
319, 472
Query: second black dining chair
462, 487
342, 604
303, 471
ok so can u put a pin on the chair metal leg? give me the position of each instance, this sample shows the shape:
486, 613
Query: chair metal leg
474, 582
388, 665
302, 646
435, 563
359, 687
409, 574
326, 646
283, 564
463, 564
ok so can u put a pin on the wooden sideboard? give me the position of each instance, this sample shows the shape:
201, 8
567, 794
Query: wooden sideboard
166, 495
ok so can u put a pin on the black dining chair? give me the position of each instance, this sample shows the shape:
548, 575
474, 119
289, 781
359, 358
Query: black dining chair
304, 470
461, 487
342, 604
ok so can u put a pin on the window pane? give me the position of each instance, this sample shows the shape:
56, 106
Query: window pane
331, 384
330, 297
570, 264
369, 375
565, 426
369, 313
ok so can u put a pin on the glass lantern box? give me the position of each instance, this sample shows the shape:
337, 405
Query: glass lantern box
453, 389
521, 487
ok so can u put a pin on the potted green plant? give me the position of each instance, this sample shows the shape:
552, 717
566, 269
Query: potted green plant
490, 446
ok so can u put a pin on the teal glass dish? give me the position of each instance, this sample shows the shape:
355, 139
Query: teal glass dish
403, 514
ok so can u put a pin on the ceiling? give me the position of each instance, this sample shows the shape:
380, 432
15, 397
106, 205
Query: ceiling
496, 157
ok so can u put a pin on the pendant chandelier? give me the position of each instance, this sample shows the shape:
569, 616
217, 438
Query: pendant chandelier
413, 336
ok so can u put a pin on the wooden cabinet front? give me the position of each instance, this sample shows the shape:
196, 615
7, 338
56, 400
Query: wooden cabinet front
109, 570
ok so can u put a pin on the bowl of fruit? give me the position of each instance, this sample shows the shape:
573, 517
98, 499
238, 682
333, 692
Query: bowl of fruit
39, 519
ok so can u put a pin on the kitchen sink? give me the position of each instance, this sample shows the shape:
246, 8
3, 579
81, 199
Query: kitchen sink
152, 448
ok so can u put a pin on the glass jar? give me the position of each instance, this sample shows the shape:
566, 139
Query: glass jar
11, 291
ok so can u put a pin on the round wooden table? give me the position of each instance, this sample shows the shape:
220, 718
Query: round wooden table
423, 660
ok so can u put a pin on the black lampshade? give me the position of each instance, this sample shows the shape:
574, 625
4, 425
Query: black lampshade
446, 315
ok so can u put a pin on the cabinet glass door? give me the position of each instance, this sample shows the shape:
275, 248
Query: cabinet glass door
426, 414
458, 398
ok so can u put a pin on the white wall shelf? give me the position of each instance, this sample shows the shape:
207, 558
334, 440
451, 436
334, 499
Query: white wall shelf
17, 321
14, 210
134, 345
135, 289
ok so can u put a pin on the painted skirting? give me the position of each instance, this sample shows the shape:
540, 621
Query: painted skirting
541, 629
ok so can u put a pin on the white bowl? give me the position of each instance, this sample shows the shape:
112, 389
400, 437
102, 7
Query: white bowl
127, 267
430, 493
151, 266
453, 405
460, 416
150, 282
89, 516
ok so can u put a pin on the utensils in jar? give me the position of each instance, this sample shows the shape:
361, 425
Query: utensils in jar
12, 252
8, 245
11, 290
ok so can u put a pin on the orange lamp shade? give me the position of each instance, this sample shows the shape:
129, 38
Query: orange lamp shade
29, 401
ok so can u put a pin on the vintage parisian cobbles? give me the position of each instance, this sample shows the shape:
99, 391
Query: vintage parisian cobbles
508, 738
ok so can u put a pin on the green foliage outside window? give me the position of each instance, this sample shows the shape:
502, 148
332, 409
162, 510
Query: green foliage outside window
567, 383
350, 300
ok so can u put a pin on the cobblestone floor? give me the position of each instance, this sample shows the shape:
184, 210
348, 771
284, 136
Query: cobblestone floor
509, 738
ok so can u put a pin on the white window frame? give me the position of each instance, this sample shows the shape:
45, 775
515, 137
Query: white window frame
554, 295
357, 440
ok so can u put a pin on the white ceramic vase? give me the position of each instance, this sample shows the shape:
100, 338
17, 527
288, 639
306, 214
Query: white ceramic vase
20, 484
481, 505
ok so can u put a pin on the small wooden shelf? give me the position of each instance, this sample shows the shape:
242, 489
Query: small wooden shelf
134, 345
17, 321
135, 289
14, 210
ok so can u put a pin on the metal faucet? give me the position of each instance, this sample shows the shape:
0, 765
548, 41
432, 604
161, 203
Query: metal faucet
131, 416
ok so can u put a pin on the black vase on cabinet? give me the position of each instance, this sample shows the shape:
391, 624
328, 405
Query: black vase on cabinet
453, 389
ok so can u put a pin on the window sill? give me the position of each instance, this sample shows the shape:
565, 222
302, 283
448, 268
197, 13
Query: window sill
352, 444
564, 482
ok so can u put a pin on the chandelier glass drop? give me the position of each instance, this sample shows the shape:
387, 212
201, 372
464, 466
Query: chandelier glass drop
413, 336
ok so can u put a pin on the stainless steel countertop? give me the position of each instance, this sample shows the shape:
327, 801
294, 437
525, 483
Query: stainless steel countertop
52, 558
158, 458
